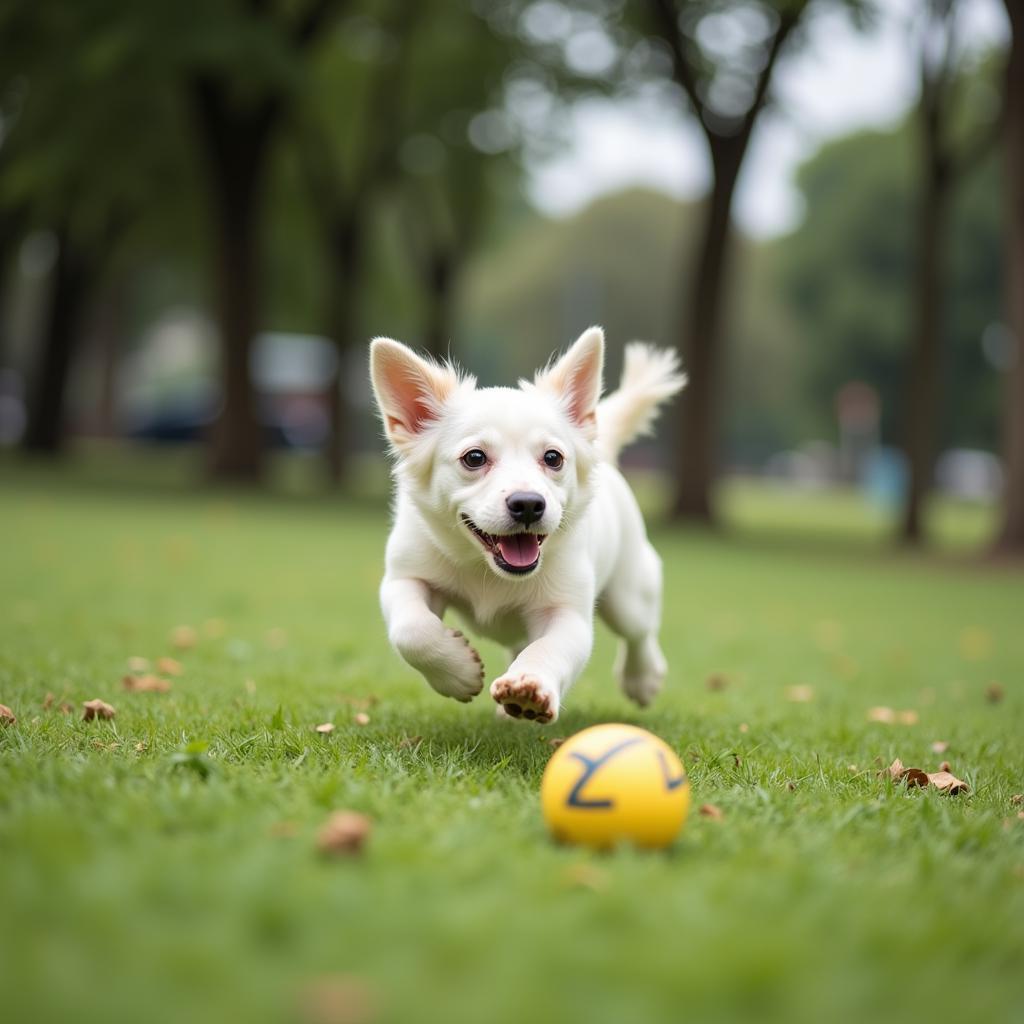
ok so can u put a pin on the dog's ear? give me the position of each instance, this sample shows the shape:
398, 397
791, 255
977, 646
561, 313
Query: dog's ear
576, 378
410, 391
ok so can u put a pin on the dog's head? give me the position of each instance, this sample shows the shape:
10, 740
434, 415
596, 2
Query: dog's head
500, 471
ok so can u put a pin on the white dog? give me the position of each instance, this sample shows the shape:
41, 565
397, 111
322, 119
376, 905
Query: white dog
511, 511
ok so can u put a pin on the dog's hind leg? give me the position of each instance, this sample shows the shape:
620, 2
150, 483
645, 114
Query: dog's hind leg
631, 606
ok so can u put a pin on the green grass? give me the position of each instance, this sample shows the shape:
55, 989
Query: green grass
141, 885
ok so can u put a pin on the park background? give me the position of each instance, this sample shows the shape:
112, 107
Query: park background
208, 209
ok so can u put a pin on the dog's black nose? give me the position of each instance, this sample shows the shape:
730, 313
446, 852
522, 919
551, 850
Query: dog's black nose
525, 507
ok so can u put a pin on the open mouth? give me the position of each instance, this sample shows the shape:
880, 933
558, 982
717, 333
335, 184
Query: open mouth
516, 553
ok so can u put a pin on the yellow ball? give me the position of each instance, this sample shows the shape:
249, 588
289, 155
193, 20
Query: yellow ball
615, 783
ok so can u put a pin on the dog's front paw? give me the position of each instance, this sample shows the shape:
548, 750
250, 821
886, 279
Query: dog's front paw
455, 669
526, 696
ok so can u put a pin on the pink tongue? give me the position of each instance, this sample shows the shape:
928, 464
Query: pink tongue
519, 550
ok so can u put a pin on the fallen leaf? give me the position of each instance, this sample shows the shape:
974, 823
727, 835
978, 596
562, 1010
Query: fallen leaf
1017, 799
889, 717
711, 811
716, 682
7, 716
409, 742
943, 781
880, 714
361, 718
791, 786
138, 664
744, 727
344, 832
97, 709
140, 746
48, 701
940, 747
554, 742
994, 693
66, 708
146, 684
184, 637
337, 999
947, 782
325, 728
169, 666
945, 767
800, 694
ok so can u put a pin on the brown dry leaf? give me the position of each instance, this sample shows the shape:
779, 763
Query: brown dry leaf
169, 666
945, 767
409, 742
711, 811
361, 718
48, 701
994, 693
184, 637
344, 832
554, 742
1017, 799
97, 709
66, 708
880, 714
146, 684
744, 727
337, 999
800, 694
906, 717
940, 747
716, 682
326, 728
947, 782
7, 716
586, 876
138, 664
899, 773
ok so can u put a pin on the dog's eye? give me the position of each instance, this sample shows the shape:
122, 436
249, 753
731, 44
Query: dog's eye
553, 459
474, 459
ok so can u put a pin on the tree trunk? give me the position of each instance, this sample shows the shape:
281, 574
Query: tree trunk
46, 427
922, 384
1011, 537
346, 247
440, 303
696, 447
235, 146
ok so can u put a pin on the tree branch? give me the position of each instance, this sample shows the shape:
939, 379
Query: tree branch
666, 18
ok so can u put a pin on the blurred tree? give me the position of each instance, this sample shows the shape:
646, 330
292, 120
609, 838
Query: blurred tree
85, 178
847, 271
723, 57
944, 162
413, 80
1011, 537
242, 64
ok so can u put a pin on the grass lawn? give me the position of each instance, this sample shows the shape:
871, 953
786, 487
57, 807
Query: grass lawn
162, 867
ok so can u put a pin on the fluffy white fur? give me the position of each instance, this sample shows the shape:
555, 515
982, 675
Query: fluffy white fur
453, 524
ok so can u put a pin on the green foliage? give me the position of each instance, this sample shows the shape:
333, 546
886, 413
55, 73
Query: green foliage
131, 889
848, 273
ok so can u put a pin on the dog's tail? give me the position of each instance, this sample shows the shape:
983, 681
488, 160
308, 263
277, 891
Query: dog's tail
650, 377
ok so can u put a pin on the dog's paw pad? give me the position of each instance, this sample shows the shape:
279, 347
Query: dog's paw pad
525, 697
